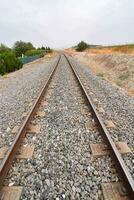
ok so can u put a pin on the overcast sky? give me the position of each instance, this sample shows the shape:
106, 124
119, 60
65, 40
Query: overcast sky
61, 23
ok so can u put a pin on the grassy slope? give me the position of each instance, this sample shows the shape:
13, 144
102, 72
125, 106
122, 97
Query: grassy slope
115, 64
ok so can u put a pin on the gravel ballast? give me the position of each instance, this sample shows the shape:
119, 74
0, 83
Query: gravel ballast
62, 166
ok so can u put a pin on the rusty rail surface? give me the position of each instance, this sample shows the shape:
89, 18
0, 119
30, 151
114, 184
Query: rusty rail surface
11, 153
123, 170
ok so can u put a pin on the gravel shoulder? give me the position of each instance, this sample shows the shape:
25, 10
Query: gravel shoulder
18, 90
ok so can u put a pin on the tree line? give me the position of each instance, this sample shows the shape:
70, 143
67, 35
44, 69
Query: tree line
9, 57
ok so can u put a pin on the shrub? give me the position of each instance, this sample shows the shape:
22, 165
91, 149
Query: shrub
34, 52
9, 62
2, 66
49, 50
124, 76
100, 74
82, 46
43, 48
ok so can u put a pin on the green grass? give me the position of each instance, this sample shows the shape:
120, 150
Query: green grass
100, 74
118, 82
123, 77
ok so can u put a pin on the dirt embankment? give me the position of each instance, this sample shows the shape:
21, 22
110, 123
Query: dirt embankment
118, 68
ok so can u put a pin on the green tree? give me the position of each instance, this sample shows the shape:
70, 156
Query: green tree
43, 48
9, 62
21, 47
82, 46
48, 50
4, 48
2, 66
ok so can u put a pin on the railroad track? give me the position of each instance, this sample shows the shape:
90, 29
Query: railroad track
127, 186
122, 168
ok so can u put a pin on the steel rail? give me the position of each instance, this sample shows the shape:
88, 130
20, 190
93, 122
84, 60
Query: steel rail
10, 155
123, 170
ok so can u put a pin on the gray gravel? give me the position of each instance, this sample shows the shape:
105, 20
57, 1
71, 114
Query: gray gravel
18, 91
118, 106
62, 166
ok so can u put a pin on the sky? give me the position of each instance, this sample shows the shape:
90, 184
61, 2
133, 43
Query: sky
64, 23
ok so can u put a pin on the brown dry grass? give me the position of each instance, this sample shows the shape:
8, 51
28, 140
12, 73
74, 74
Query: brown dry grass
127, 49
112, 50
100, 51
